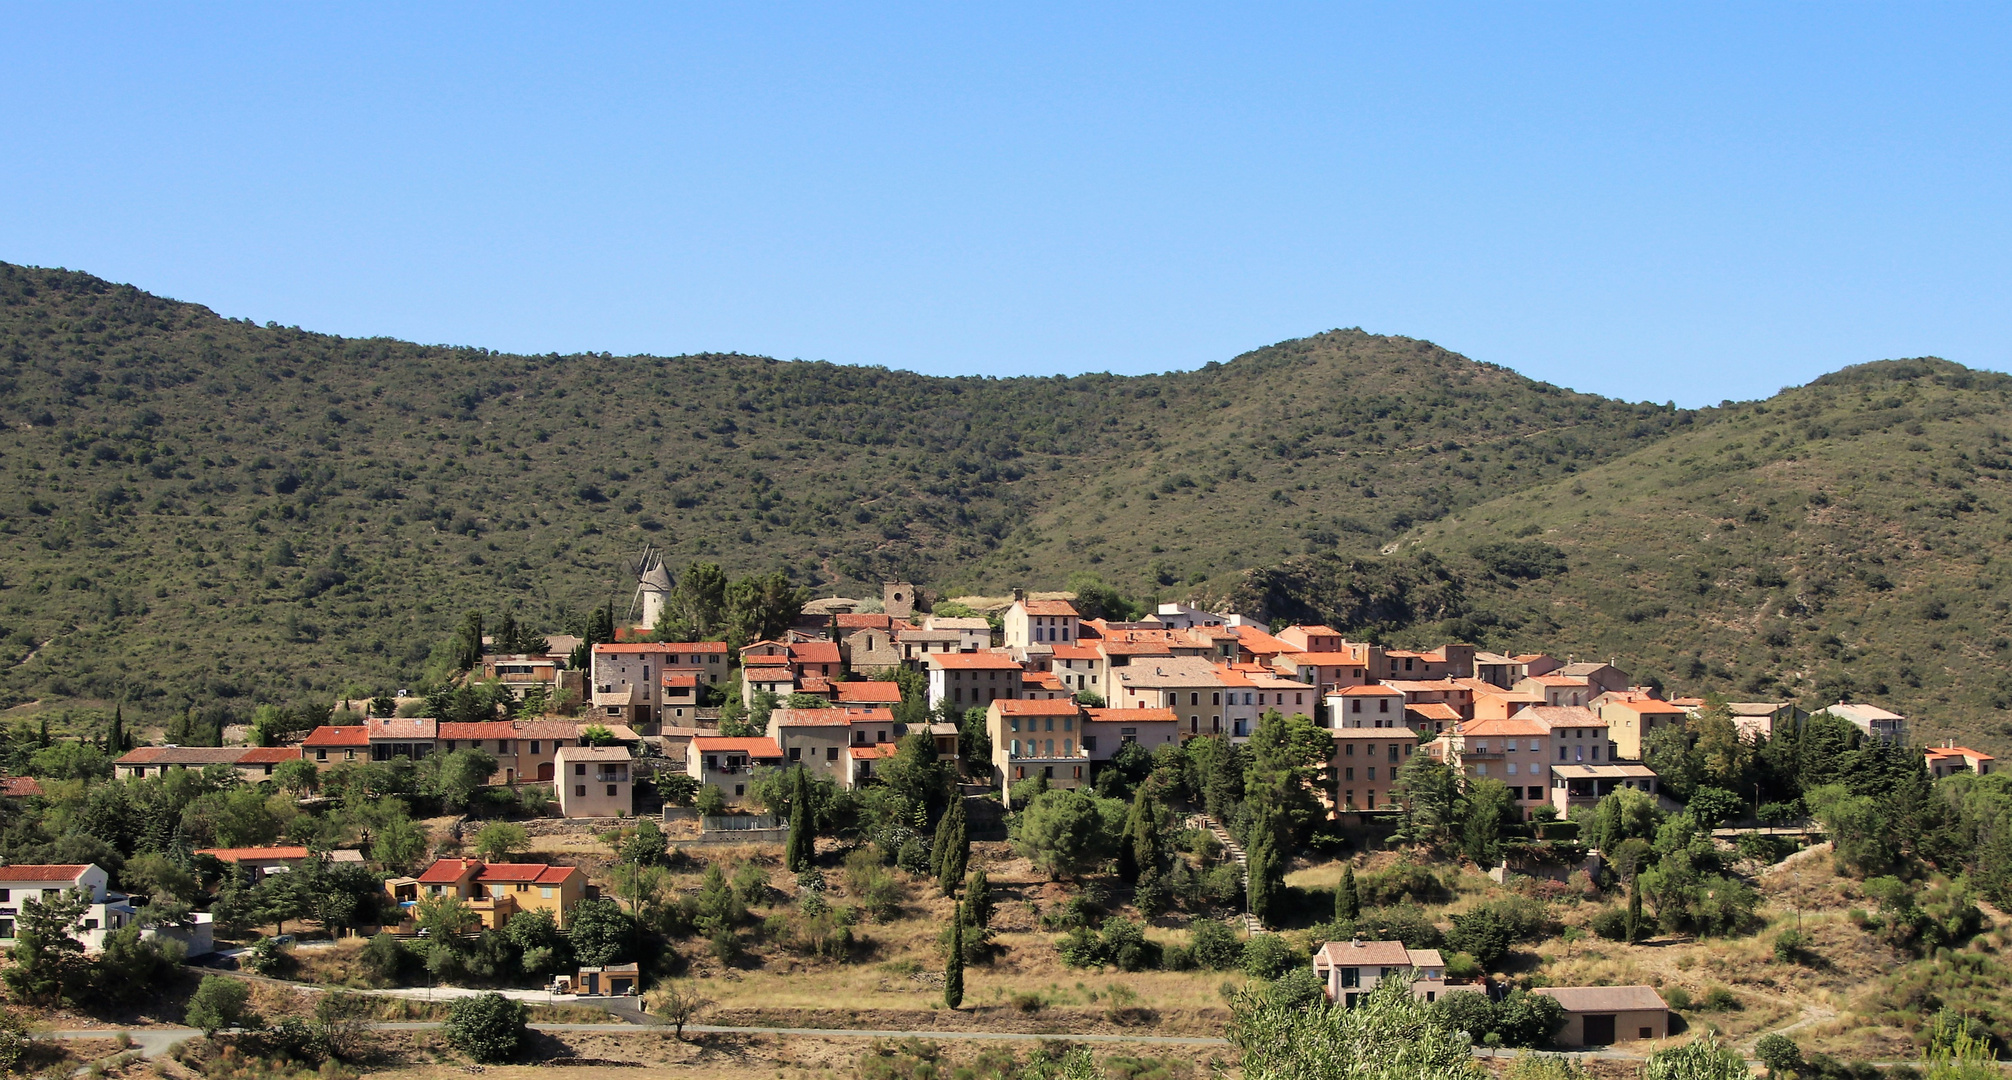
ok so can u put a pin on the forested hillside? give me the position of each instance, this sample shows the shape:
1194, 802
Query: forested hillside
198, 508
1844, 539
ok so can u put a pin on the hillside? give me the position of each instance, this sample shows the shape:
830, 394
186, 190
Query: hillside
202, 508
1845, 538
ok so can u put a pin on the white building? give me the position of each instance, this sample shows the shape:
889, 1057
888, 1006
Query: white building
42, 883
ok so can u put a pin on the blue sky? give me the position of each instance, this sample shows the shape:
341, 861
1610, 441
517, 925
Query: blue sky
1687, 202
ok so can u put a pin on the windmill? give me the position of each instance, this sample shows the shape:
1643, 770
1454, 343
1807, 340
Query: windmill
653, 586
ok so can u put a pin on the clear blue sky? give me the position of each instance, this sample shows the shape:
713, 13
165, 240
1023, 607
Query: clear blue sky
1654, 201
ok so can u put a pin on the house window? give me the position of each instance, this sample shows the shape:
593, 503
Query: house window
580, 769
545, 892
534, 746
740, 789
796, 753
831, 753
611, 790
580, 790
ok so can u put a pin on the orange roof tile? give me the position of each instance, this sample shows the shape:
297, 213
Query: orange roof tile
1050, 607
1019, 707
862, 691
972, 661
1153, 715
755, 747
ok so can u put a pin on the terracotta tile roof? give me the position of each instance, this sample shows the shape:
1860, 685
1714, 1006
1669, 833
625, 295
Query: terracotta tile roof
756, 748
594, 753
1365, 954
612, 648
1154, 715
1051, 607
1433, 710
447, 871
765, 660
1371, 690
681, 678
20, 787
331, 735
487, 729
1054, 707
1042, 680
865, 621
402, 729
972, 661
43, 872
182, 755
546, 729
815, 652
1399, 733
1136, 648
269, 755
237, 854
869, 691
1517, 727
833, 717
525, 873
1066, 651
1323, 659
1261, 643
1605, 999
814, 684
1561, 716
1558, 680
1425, 686
877, 750
1648, 707
1936, 753
1314, 630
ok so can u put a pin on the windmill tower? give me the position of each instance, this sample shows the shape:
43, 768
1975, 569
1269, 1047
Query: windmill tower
653, 587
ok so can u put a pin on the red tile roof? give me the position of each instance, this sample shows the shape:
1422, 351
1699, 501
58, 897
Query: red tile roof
877, 750
269, 755
973, 661
837, 716
43, 872
484, 729
392, 728
1055, 707
1051, 607
864, 691
814, 652
718, 744
447, 871
681, 678
1371, 690
1433, 710
865, 621
20, 787
1154, 715
338, 735
814, 684
237, 854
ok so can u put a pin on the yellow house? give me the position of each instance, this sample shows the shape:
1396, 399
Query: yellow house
496, 891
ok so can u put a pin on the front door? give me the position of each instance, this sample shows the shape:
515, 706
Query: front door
1600, 1030
545, 771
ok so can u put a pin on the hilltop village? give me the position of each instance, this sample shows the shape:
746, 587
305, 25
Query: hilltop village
980, 795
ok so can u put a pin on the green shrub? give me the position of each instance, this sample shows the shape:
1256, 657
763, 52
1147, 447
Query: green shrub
489, 1028
1677, 998
1215, 946
219, 1003
1267, 956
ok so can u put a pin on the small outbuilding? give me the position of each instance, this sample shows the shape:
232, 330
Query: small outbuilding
1605, 1015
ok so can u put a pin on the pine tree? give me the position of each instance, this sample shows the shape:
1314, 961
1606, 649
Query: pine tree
1347, 903
953, 968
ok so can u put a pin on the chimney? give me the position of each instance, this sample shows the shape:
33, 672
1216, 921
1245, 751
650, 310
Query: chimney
1019, 594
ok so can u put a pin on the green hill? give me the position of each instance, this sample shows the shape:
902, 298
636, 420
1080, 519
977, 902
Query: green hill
201, 508
1845, 538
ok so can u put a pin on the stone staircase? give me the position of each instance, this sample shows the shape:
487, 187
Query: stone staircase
1242, 858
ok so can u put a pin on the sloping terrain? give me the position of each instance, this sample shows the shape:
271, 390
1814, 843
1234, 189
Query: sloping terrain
198, 507
1843, 539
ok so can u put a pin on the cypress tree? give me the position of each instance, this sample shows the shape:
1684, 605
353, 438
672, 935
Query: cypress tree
978, 898
1634, 907
118, 736
1260, 889
939, 847
960, 841
1347, 903
801, 849
953, 968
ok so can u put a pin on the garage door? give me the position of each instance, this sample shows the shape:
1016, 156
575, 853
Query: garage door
1600, 1030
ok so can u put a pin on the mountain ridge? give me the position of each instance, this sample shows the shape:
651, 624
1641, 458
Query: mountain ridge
202, 508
